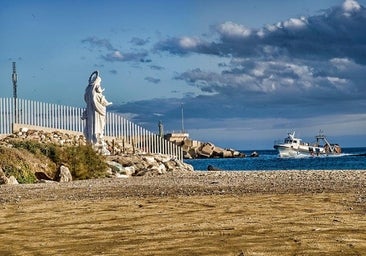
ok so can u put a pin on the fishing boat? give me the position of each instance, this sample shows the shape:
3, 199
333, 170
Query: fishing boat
295, 147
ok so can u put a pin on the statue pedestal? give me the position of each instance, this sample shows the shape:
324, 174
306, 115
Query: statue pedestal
101, 147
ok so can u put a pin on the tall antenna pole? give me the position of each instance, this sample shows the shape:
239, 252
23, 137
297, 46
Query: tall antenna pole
182, 119
15, 96
161, 129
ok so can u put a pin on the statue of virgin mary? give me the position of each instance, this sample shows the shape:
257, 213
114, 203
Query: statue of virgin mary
95, 113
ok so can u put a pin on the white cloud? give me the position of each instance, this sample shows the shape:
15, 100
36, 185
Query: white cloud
231, 29
336, 80
294, 23
351, 6
117, 55
340, 61
189, 42
272, 28
325, 36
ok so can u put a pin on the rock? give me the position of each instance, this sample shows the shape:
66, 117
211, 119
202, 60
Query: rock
47, 181
235, 153
170, 166
117, 167
217, 151
42, 176
24, 129
12, 180
120, 170
227, 154
149, 159
109, 172
207, 150
161, 169
129, 170
187, 155
254, 154
3, 178
64, 174
121, 176
212, 168
141, 172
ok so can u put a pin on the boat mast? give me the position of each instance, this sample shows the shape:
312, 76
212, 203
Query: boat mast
321, 136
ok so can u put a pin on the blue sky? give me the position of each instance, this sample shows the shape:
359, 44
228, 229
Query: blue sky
246, 72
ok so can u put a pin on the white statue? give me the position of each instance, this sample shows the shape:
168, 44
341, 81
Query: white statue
95, 113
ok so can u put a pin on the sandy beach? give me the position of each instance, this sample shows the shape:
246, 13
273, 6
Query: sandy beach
199, 213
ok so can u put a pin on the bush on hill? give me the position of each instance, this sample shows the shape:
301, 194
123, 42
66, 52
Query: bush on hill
26, 157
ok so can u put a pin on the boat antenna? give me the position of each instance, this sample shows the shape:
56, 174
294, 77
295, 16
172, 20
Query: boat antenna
14, 78
182, 117
161, 129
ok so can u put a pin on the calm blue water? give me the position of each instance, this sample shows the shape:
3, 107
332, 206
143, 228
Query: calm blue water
269, 160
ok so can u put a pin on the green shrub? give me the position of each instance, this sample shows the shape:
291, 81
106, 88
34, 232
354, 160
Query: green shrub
23, 175
50, 150
82, 160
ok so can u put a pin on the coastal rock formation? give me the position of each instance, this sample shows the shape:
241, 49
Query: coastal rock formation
196, 149
207, 150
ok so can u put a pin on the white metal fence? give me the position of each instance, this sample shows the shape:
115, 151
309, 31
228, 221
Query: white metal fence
58, 117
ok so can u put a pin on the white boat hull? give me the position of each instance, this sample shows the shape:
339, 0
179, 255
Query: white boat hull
288, 151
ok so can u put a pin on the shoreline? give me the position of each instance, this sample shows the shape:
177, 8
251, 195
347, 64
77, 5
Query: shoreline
196, 183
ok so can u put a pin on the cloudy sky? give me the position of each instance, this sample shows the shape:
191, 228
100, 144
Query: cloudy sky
245, 72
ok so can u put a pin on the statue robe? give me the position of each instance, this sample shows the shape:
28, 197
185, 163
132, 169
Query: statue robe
95, 113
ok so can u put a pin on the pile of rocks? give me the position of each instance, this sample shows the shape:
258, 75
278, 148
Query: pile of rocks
141, 164
114, 146
208, 150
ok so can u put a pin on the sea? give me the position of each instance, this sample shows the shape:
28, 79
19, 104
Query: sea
350, 159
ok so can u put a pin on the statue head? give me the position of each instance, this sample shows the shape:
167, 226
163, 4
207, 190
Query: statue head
94, 78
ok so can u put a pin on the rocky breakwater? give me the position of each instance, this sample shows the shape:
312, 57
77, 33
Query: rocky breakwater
125, 160
194, 149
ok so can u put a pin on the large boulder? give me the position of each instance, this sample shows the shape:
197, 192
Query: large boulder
64, 174
119, 171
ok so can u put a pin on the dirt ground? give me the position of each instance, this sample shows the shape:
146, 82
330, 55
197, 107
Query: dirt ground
213, 214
